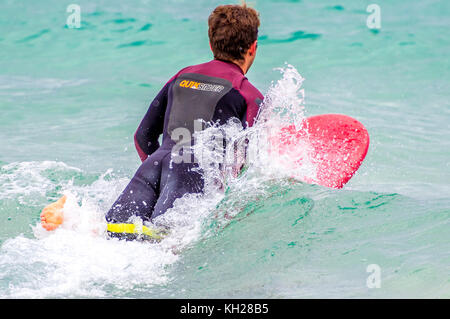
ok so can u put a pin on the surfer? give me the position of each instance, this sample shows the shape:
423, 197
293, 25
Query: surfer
212, 92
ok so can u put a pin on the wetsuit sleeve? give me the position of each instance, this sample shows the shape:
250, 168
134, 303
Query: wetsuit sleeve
253, 99
151, 127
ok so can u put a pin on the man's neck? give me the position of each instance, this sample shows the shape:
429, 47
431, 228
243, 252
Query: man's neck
242, 64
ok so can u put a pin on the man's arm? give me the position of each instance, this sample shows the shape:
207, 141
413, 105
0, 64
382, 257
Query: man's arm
254, 99
152, 125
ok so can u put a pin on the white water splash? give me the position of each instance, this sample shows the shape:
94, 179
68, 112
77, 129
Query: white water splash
283, 106
256, 146
30, 179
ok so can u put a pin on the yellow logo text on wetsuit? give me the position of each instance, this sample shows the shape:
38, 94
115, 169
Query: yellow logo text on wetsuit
201, 86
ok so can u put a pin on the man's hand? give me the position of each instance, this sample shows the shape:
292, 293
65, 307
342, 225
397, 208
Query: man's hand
52, 216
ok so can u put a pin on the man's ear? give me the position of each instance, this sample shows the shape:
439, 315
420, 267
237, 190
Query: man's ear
253, 48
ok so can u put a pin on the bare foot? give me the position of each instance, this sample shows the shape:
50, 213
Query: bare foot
52, 216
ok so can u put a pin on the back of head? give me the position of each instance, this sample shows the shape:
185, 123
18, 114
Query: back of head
232, 30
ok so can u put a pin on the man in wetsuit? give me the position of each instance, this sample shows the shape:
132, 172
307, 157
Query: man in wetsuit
212, 92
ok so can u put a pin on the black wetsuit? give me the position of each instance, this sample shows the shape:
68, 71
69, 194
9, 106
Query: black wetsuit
213, 92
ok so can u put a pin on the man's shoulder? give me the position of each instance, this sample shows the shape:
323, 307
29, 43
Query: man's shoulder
247, 88
188, 69
194, 68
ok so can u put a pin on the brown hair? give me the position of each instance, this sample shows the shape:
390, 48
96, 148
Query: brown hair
232, 30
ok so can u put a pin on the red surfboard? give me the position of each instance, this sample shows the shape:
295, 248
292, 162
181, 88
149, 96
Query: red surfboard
338, 145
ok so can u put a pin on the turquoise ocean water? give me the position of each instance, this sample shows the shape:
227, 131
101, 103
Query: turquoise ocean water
71, 99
